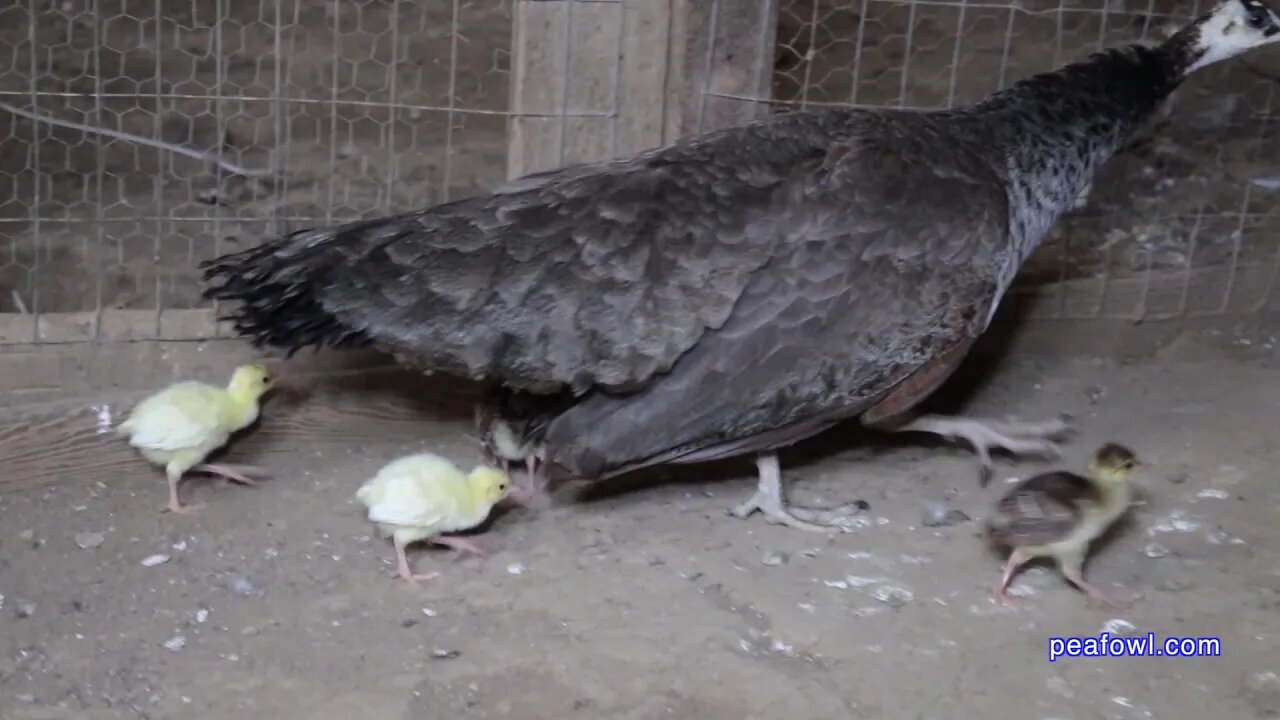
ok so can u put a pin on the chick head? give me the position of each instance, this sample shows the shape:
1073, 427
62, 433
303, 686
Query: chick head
490, 483
250, 382
1114, 463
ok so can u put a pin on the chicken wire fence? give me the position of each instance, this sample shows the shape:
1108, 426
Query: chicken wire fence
141, 137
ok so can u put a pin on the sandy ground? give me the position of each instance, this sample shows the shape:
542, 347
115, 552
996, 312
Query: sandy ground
652, 603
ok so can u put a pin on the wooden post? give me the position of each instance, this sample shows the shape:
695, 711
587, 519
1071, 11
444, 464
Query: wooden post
597, 80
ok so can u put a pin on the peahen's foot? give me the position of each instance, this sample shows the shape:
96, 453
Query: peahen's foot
769, 500
1018, 438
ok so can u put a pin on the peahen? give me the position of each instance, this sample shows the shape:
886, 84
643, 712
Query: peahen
742, 289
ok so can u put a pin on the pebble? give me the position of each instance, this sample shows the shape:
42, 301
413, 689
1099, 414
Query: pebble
154, 560
90, 540
774, 558
936, 514
175, 643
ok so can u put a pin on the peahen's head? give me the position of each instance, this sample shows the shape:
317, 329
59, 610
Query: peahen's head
1229, 29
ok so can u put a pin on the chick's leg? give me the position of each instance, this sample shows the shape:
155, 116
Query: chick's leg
1017, 559
234, 473
175, 505
402, 565
1073, 569
769, 500
1019, 438
460, 545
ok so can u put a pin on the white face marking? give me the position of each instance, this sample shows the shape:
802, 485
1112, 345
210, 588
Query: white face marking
1227, 33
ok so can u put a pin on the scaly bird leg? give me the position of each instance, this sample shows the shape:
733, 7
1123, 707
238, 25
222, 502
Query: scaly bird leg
175, 505
769, 500
234, 473
460, 545
1019, 438
402, 566
1017, 559
1097, 598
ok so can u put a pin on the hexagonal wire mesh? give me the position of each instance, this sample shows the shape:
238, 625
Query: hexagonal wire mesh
1183, 223
221, 121
274, 113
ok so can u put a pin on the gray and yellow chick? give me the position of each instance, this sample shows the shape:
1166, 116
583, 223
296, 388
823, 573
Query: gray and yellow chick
1059, 514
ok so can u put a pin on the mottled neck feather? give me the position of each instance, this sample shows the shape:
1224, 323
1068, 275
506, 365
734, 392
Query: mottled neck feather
1057, 129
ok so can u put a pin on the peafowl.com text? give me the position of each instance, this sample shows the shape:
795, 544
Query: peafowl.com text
1105, 645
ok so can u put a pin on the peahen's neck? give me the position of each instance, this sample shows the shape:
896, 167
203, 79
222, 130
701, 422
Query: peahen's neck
1056, 130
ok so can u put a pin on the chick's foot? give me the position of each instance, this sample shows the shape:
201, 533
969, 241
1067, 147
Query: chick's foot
461, 545
769, 500
1017, 438
403, 570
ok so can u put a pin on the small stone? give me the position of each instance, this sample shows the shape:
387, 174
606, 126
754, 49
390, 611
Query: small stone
936, 514
774, 558
1155, 550
445, 654
894, 597
175, 643
154, 560
90, 540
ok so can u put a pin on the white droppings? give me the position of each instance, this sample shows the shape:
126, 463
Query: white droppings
1118, 626
103, 413
515, 568
1213, 493
154, 560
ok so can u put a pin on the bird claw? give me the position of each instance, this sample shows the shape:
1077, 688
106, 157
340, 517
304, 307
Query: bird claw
1017, 438
188, 509
823, 520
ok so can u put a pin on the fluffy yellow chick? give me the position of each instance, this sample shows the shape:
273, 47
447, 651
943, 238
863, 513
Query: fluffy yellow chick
419, 497
179, 426
1058, 515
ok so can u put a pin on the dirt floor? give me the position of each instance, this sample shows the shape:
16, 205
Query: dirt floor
653, 603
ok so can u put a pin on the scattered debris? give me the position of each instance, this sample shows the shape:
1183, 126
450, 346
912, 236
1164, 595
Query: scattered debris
1155, 550
90, 540
180, 546
202, 615
1213, 493
1175, 522
154, 560
445, 654
429, 612
1095, 393
175, 643
936, 514
774, 558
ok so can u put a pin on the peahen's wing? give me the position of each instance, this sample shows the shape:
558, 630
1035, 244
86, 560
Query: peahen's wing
600, 274
895, 248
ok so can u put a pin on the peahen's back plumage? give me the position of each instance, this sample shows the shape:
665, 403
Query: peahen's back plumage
732, 293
